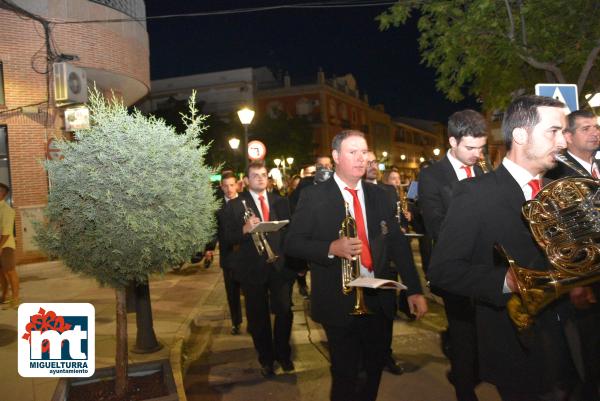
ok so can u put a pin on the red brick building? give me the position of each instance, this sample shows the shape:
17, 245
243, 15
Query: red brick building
113, 55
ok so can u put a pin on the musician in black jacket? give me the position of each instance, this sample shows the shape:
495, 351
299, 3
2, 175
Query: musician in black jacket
583, 139
467, 135
266, 286
232, 286
314, 236
535, 365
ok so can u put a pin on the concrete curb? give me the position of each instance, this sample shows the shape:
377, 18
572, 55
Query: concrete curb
179, 361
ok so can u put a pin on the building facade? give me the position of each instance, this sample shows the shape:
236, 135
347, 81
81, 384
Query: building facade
113, 56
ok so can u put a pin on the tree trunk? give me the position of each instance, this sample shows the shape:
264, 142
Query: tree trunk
121, 357
145, 340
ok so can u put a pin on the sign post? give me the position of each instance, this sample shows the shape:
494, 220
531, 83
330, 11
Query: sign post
566, 93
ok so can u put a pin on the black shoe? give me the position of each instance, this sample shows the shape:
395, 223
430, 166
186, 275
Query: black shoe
303, 290
235, 329
267, 370
392, 366
287, 366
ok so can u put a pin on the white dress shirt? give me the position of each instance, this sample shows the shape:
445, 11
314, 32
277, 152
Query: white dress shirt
348, 198
586, 165
457, 165
257, 202
520, 175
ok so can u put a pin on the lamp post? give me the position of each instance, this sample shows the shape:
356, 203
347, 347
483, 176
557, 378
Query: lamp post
234, 143
245, 115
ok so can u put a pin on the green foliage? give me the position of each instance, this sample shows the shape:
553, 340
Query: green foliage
130, 198
285, 136
478, 47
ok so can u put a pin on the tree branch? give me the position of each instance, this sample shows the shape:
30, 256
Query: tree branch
511, 32
587, 67
522, 18
544, 66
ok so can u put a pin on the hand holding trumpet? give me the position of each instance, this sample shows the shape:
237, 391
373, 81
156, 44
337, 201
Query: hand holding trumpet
345, 247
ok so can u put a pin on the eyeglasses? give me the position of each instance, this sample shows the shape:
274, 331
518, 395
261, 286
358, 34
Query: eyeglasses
372, 163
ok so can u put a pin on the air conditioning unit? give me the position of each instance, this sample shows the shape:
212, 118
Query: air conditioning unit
70, 84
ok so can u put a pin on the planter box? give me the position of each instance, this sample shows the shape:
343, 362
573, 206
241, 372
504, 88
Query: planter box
139, 369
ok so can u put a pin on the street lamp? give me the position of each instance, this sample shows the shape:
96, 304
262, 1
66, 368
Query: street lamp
384, 154
234, 143
403, 157
436, 152
421, 159
245, 115
277, 162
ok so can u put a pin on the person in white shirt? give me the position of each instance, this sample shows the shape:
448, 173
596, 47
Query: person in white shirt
8, 270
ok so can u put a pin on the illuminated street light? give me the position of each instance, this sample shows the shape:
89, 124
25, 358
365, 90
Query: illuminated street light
290, 161
436, 151
234, 143
403, 157
245, 115
384, 154
277, 162
421, 159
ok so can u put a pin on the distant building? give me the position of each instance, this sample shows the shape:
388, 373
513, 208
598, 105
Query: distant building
330, 104
114, 56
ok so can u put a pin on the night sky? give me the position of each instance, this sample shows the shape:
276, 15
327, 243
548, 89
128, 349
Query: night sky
386, 65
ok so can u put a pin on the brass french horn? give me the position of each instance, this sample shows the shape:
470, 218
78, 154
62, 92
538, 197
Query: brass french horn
564, 219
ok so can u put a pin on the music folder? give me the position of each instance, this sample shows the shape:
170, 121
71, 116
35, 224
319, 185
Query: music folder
368, 282
269, 226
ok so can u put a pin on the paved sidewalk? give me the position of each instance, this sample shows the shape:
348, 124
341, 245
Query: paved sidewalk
175, 297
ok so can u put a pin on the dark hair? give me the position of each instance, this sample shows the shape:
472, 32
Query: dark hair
227, 174
523, 113
572, 118
255, 165
5, 187
336, 143
466, 123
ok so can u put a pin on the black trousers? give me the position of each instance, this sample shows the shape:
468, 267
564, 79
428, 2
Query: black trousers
232, 289
362, 340
462, 333
271, 342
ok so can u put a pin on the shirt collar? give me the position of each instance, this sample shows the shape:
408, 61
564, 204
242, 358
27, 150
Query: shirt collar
342, 185
520, 175
456, 164
586, 164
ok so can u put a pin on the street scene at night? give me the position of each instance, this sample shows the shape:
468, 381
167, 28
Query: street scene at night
352, 200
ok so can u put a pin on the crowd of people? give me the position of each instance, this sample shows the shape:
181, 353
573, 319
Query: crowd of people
463, 211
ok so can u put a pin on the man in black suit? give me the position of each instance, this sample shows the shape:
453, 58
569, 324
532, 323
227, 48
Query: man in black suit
314, 236
535, 365
583, 139
467, 135
232, 286
266, 286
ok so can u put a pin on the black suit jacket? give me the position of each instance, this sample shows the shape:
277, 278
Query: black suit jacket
561, 170
247, 265
435, 193
225, 247
484, 211
316, 223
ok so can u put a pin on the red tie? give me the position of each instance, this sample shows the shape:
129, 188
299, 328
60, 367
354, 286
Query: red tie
365, 255
535, 187
264, 208
468, 171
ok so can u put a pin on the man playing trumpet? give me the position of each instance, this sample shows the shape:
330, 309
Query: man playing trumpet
266, 283
314, 235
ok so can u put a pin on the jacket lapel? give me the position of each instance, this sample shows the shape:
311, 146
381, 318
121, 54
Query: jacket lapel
449, 173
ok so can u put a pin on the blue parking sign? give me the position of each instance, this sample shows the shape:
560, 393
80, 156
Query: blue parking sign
566, 93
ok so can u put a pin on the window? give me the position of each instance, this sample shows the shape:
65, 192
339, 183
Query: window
2, 102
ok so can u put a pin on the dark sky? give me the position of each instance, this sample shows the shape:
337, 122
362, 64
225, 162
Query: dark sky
385, 64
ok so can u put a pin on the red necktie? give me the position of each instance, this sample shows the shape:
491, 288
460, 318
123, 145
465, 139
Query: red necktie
264, 208
468, 171
535, 187
365, 255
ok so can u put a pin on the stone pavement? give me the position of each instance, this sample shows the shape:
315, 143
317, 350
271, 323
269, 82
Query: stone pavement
191, 315
175, 297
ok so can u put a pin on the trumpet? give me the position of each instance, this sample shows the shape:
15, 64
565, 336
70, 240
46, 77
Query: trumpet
260, 239
351, 267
